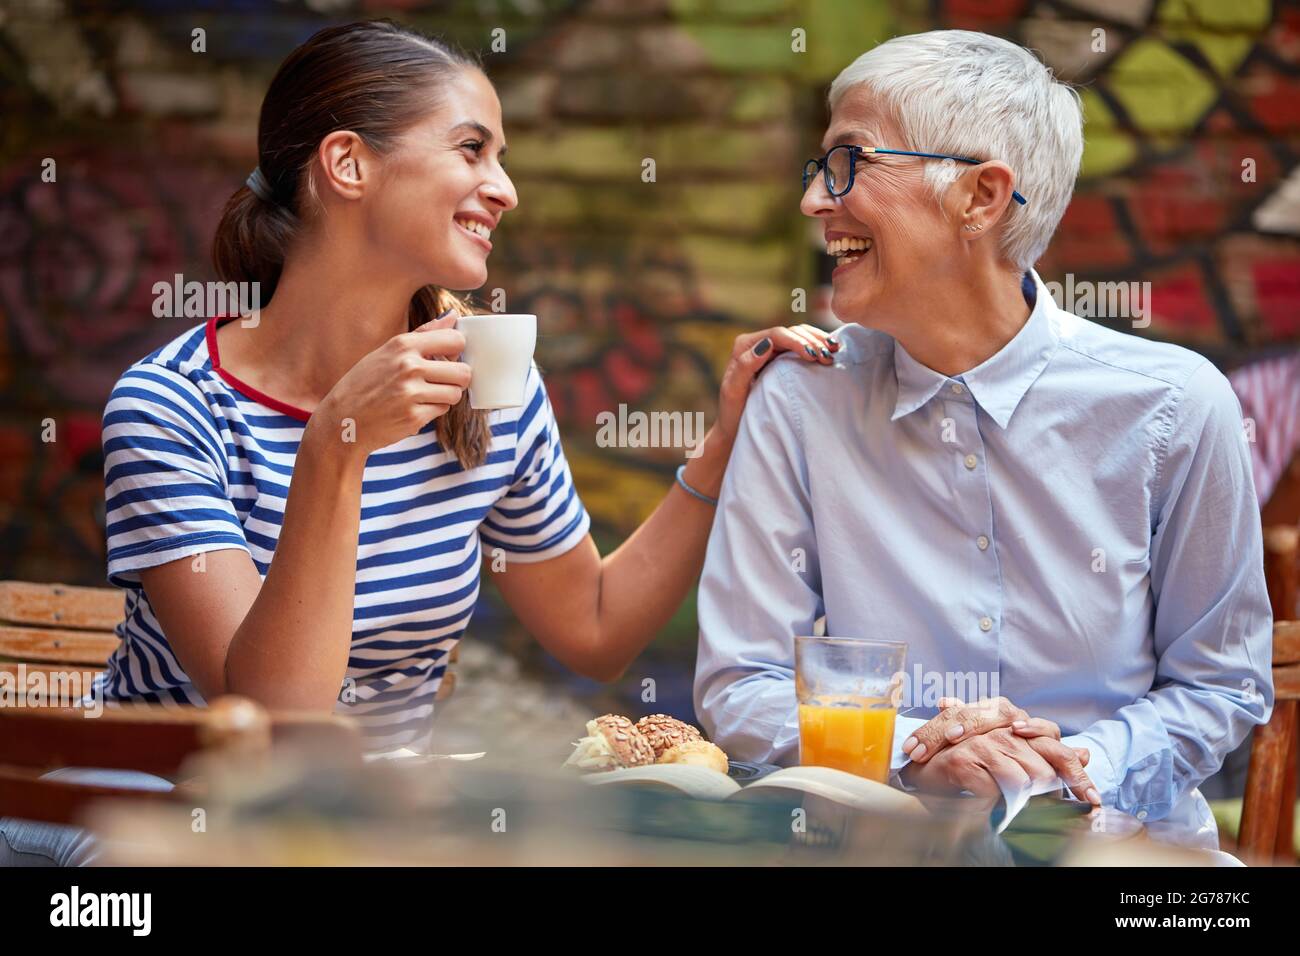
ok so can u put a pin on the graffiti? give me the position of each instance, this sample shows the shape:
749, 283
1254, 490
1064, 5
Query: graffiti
1189, 163
1191, 182
1189, 178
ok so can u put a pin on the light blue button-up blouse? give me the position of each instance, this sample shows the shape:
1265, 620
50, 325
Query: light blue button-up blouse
1071, 525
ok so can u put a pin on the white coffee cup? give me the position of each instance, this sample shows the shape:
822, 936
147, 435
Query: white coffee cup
499, 350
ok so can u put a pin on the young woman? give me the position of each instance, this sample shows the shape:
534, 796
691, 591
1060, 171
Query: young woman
296, 505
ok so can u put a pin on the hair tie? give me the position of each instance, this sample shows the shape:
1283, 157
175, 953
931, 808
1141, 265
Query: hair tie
256, 182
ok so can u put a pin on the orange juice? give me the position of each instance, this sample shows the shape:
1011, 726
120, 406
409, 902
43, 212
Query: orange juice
855, 735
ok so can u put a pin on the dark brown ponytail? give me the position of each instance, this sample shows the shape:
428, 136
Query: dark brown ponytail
377, 79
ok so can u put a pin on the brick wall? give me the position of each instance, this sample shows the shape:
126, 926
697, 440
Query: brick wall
640, 286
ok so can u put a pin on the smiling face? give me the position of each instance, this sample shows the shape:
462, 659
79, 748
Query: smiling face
444, 189
888, 234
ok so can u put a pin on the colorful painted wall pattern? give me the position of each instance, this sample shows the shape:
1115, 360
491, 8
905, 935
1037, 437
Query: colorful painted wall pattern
1190, 182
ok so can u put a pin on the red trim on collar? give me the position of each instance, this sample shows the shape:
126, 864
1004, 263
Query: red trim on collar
242, 387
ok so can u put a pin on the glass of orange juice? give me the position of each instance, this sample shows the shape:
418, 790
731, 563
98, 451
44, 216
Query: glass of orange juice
848, 691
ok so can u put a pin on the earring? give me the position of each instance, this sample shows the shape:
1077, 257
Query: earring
972, 228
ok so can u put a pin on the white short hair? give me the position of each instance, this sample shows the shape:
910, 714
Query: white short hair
971, 94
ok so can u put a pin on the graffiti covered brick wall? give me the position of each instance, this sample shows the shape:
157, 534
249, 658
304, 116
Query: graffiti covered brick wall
656, 146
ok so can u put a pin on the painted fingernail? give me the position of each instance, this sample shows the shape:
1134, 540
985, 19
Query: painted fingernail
1019, 724
825, 354
955, 731
1093, 796
832, 343
918, 753
762, 347
908, 744
808, 349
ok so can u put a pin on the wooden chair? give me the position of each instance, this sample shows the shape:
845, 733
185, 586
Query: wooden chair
67, 634
1268, 808
61, 632
157, 740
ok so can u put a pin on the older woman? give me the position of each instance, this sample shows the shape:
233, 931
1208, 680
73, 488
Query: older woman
1063, 511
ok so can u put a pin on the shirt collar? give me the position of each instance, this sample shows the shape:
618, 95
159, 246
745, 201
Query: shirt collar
1000, 382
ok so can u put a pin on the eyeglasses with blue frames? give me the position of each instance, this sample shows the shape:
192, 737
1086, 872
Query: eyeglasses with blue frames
839, 166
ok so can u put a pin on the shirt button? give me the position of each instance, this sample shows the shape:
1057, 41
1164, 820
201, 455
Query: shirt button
1141, 814
957, 388
971, 461
986, 624
983, 542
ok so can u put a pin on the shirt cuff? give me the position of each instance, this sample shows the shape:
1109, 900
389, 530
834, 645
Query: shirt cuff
903, 728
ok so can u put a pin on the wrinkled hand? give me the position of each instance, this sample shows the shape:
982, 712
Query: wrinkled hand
999, 761
961, 723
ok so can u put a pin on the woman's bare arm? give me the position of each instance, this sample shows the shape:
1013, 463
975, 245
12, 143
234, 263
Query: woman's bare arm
284, 641
595, 615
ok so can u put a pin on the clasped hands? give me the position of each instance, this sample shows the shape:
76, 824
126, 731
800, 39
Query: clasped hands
990, 747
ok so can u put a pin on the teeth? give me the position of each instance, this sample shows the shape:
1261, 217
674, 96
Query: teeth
847, 244
475, 227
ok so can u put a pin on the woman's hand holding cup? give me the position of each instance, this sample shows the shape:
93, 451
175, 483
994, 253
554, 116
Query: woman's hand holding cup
399, 388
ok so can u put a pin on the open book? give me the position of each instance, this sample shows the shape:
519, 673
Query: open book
839, 787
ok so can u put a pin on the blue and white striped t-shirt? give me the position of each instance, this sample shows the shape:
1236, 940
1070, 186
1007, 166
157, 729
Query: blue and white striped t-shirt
196, 461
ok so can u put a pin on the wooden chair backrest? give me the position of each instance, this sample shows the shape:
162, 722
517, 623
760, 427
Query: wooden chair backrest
58, 623
147, 738
1282, 570
1286, 660
44, 625
1267, 810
